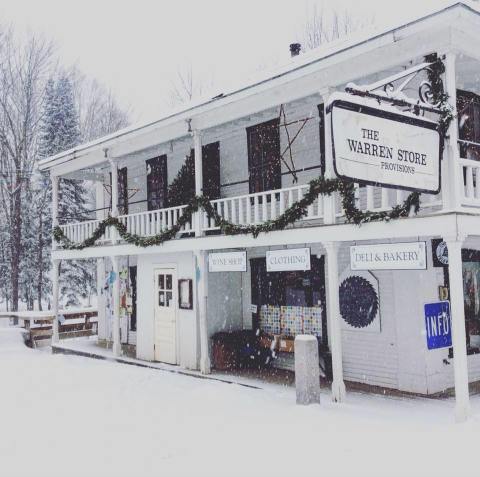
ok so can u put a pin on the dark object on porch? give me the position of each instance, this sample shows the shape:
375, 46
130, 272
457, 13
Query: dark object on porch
238, 350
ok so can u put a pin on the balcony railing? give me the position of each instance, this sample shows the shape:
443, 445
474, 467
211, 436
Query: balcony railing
260, 207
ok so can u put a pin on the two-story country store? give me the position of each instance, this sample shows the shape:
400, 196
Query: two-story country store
176, 272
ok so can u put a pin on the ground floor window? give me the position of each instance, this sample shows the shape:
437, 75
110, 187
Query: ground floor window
471, 292
289, 303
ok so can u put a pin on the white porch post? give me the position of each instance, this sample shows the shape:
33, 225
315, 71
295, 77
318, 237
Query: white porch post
333, 314
54, 180
452, 179
201, 273
459, 341
101, 333
117, 347
329, 201
197, 145
114, 195
55, 293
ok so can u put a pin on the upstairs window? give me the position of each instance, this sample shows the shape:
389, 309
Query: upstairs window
468, 107
157, 183
211, 170
264, 156
122, 185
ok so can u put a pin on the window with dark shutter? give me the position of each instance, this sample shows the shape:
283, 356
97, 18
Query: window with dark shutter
122, 175
157, 182
468, 107
264, 156
210, 169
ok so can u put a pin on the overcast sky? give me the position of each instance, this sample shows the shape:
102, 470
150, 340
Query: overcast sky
136, 47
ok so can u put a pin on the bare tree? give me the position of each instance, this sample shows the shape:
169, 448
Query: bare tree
98, 110
187, 85
323, 26
24, 68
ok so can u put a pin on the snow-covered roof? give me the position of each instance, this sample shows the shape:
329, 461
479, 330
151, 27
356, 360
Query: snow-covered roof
297, 63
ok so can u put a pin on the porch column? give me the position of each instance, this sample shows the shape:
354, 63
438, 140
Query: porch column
114, 195
459, 339
452, 177
197, 145
55, 293
117, 347
201, 274
329, 201
54, 180
333, 314
101, 298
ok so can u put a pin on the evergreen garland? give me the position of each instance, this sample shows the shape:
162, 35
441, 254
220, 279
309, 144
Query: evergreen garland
182, 191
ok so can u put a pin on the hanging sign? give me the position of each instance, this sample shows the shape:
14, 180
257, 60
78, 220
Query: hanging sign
438, 325
288, 260
376, 145
439, 253
227, 262
389, 256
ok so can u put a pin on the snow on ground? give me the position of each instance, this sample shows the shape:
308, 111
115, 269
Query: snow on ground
73, 416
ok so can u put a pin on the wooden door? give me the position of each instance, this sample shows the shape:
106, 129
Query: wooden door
165, 315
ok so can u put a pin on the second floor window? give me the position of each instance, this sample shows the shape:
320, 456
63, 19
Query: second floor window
157, 183
265, 172
468, 106
122, 191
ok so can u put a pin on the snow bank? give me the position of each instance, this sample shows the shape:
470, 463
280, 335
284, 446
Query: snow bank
11, 341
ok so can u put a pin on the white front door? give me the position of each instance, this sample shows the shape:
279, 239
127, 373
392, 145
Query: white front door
165, 315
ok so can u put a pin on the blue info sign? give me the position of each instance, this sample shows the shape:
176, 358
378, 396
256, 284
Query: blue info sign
438, 325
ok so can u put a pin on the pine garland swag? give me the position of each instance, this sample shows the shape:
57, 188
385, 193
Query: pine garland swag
319, 186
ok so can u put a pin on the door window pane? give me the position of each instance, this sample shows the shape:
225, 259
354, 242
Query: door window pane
169, 299
161, 281
161, 298
169, 282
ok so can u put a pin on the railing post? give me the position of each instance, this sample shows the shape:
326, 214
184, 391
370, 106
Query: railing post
329, 202
452, 179
197, 146
114, 196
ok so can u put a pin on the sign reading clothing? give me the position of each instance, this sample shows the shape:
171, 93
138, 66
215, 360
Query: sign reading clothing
288, 260
438, 325
381, 147
389, 256
227, 262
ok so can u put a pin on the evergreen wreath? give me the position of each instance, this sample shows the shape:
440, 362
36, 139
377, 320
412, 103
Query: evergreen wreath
318, 186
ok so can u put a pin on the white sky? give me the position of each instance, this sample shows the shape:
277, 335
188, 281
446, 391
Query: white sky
135, 47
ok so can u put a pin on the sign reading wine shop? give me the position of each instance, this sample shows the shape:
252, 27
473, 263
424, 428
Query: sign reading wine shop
389, 256
381, 147
288, 260
227, 262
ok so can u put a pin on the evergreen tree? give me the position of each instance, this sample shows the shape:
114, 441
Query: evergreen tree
59, 132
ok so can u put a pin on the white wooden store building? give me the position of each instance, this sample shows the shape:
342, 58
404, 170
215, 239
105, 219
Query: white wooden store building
241, 142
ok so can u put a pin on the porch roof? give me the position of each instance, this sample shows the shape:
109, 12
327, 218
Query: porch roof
199, 114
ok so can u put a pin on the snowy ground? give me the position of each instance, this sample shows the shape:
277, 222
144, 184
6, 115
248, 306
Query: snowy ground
72, 416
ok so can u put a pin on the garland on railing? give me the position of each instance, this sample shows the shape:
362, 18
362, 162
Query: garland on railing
319, 186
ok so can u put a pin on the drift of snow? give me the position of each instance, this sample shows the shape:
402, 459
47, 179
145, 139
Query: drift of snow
73, 416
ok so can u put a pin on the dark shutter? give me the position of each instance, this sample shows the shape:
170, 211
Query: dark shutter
468, 107
264, 156
122, 178
211, 170
321, 125
133, 288
157, 183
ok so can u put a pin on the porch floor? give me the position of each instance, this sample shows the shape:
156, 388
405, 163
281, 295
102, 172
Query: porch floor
252, 378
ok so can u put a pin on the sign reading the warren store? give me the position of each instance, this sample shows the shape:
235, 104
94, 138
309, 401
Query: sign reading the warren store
382, 147
227, 262
288, 260
389, 256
